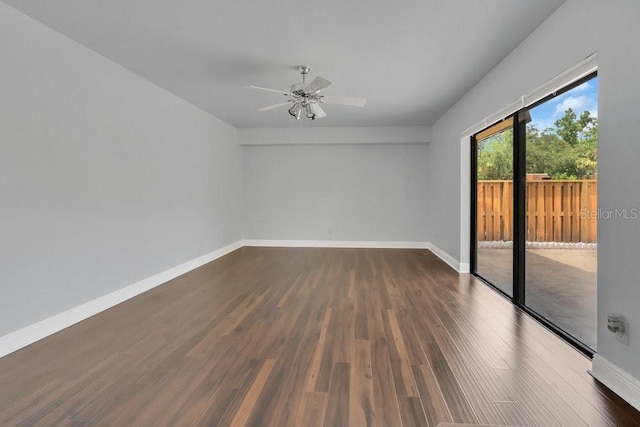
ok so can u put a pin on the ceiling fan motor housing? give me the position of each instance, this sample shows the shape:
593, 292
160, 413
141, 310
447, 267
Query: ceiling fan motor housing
297, 87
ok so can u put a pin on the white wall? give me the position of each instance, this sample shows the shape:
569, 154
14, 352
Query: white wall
105, 179
577, 29
307, 134
357, 192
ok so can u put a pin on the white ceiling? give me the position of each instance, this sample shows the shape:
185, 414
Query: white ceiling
412, 59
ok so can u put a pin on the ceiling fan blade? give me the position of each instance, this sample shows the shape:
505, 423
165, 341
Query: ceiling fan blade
352, 101
317, 85
317, 110
271, 107
270, 90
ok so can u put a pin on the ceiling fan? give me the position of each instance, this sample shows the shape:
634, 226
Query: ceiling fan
305, 98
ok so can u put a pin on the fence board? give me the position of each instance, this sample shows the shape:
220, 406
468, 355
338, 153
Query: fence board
556, 210
575, 213
481, 213
592, 205
584, 198
488, 202
497, 210
566, 214
539, 212
507, 218
548, 208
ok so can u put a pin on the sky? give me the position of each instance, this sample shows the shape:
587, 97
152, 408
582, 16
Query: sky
580, 98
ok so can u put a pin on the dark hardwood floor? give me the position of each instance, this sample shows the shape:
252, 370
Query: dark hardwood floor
308, 337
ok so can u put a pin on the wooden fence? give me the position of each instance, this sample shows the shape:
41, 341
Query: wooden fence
557, 210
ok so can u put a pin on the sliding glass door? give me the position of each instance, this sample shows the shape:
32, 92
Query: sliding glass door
534, 209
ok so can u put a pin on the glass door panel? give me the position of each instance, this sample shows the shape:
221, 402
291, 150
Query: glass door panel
561, 209
494, 205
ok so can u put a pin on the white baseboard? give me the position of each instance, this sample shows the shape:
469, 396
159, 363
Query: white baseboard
32, 333
451, 261
465, 267
335, 244
619, 381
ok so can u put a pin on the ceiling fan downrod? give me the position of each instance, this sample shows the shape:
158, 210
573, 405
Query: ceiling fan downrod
304, 70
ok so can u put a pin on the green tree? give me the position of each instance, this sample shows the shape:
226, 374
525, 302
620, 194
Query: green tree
567, 151
582, 135
495, 156
568, 127
575, 129
548, 153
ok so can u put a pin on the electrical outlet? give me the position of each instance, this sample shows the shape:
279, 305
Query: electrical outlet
624, 336
618, 325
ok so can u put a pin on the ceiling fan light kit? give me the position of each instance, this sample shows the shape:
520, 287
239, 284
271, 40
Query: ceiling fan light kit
306, 97
296, 110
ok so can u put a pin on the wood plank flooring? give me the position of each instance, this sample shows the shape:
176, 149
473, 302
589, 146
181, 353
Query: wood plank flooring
308, 337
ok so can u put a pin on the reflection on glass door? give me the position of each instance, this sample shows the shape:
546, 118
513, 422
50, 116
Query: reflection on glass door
494, 205
561, 205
